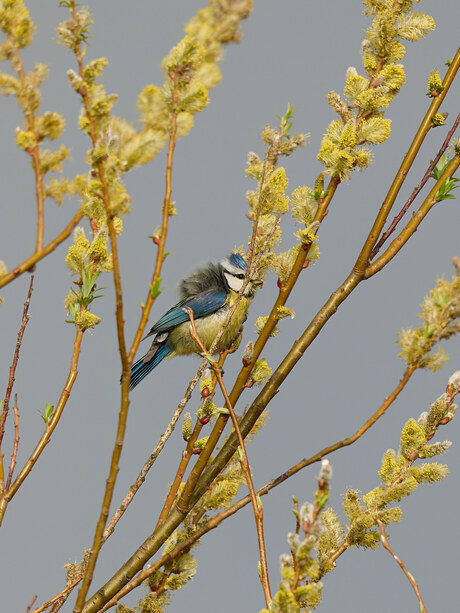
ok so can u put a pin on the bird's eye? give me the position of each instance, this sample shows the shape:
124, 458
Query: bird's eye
240, 276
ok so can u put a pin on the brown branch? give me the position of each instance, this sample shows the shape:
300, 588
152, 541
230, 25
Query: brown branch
9, 388
257, 508
186, 457
412, 225
31, 603
220, 517
15, 444
240, 383
39, 255
49, 428
153, 456
410, 577
186, 501
62, 593
126, 358
34, 153
311, 332
162, 238
416, 190
360, 271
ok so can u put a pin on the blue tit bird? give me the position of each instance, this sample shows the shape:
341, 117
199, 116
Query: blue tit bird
210, 292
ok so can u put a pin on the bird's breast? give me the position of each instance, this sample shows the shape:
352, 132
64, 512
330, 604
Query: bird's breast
208, 327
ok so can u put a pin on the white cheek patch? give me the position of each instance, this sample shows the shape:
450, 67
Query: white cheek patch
234, 283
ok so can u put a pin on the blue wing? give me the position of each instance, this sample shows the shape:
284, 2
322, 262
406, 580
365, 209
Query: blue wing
202, 305
141, 369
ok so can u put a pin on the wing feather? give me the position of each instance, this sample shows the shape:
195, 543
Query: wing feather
202, 305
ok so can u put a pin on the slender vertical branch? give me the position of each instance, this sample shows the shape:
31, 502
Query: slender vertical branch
126, 364
14, 453
9, 388
410, 577
162, 238
257, 508
34, 153
153, 456
282, 298
50, 426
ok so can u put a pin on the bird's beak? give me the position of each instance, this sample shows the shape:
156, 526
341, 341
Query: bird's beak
257, 282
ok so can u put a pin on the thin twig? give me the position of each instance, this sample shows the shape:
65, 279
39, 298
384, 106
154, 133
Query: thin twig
153, 456
412, 225
58, 596
9, 387
50, 426
15, 444
126, 363
257, 508
186, 457
417, 190
31, 603
34, 153
412, 581
39, 255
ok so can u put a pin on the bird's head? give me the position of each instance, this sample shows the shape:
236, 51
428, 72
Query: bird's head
234, 270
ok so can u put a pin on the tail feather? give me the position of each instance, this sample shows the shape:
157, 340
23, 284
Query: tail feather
141, 369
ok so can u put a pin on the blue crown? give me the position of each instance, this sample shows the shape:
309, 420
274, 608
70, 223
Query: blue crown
237, 260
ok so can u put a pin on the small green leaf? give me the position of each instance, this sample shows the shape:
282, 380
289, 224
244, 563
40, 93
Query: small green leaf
447, 186
440, 167
154, 289
47, 414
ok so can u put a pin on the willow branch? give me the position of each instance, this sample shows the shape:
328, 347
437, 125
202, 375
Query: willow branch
31, 603
153, 456
257, 508
335, 300
34, 153
183, 503
156, 277
220, 517
412, 225
68, 588
416, 190
406, 164
14, 453
186, 457
188, 499
39, 255
9, 387
126, 363
50, 426
117, 586
410, 577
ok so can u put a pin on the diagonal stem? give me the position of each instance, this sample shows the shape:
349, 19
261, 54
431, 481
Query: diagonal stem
416, 190
257, 508
39, 255
410, 577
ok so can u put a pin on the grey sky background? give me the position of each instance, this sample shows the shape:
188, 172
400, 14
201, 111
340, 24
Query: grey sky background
293, 51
